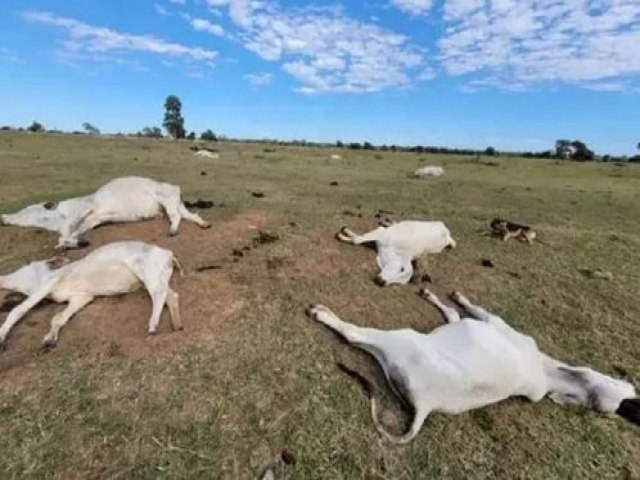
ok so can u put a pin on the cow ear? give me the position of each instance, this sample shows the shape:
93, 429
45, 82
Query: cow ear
50, 205
57, 262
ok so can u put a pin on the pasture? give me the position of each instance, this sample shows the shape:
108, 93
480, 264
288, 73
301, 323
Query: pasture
251, 376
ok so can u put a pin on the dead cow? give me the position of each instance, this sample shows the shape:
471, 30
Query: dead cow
473, 362
113, 269
126, 199
429, 171
400, 245
507, 230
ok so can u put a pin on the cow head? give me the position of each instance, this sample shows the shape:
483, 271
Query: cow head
28, 279
43, 215
394, 268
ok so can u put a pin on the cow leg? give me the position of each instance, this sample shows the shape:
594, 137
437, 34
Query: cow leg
61, 319
21, 310
76, 236
350, 332
477, 311
450, 313
174, 309
348, 236
171, 205
509, 235
192, 217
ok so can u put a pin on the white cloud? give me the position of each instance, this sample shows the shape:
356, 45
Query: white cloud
528, 42
87, 39
413, 7
178, 2
160, 10
259, 79
203, 25
323, 49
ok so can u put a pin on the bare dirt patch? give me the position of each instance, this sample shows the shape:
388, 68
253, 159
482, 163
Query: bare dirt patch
117, 326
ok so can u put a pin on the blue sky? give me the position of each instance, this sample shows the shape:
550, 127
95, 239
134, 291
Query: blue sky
515, 74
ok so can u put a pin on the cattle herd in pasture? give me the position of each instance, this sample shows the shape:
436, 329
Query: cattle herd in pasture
471, 361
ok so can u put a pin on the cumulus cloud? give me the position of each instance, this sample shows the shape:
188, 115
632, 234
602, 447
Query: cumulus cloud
323, 49
84, 40
413, 7
259, 79
538, 41
202, 25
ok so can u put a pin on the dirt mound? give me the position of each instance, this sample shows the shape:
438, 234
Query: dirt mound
115, 326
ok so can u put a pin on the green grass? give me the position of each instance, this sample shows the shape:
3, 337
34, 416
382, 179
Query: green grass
266, 380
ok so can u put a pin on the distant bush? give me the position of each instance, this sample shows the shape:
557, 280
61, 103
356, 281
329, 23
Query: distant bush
151, 132
6, 127
35, 127
90, 129
191, 136
209, 136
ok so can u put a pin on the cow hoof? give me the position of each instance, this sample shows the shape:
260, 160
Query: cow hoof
3, 346
172, 234
455, 296
309, 311
206, 226
47, 345
152, 333
427, 278
83, 244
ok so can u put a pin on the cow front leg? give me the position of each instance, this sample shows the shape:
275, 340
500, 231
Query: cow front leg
61, 319
450, 313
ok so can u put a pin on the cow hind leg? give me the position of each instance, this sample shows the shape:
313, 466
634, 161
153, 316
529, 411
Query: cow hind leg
192, 217
61, 319
171, 206
174, 309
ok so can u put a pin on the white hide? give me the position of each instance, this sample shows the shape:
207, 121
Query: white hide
470, 363
113, 269
207, 154
335, 157
429, 171
401, 243
126, 199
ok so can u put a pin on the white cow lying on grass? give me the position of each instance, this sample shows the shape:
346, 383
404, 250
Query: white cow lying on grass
126, 199
113, 269
207, 154
429, 171
400, 245
473, 362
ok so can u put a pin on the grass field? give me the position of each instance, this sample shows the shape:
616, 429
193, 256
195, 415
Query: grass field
251, 376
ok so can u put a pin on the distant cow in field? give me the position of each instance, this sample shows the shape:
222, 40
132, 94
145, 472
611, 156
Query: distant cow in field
113, 269
207, 154
335, 157
429, 171
126, 199
400, 245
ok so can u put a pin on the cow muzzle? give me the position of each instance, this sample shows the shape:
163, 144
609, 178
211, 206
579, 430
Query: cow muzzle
380, 281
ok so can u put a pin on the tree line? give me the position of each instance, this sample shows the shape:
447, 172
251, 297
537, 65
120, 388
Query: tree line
173, 123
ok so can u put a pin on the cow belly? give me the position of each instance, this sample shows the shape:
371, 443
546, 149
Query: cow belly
128, 208
97, 279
